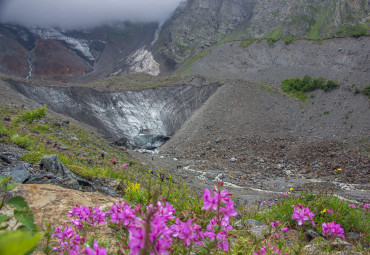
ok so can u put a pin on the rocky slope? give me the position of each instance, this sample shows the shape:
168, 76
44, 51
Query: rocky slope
185, 34
76, 55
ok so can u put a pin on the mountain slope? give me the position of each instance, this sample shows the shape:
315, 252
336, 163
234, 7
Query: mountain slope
201, 23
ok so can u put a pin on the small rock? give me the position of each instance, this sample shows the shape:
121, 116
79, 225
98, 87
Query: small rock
238, 225
312, 234
255, 227
233, 160
262, 161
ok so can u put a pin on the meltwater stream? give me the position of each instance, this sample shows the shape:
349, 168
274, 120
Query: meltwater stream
137, 119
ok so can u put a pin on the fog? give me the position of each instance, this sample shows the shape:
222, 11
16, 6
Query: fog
70, 14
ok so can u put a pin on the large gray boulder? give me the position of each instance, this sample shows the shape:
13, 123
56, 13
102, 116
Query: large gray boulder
53, 165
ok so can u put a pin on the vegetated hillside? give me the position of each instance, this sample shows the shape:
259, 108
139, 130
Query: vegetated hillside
201, 23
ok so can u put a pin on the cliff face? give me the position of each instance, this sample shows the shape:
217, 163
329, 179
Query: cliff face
201, 23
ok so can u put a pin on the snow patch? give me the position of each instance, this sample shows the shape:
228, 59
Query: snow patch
142, 61
54, 34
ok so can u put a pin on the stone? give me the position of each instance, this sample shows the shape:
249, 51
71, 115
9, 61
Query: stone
52, 203
19, 173
238, 225
233, 160
117, 185
255, 227
312, 234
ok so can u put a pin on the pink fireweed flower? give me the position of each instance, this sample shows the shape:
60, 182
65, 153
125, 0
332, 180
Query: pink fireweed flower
92, 216
121, 212
186, 231
332, 229
302, 214
209, 201
352, 206
124, 166
331, 212
275, 224
284, 194
263, 203
284, 229
367, 206
95, 251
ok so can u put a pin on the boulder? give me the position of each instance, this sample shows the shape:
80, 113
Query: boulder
19, 173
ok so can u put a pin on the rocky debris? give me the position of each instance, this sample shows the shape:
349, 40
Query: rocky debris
312, 234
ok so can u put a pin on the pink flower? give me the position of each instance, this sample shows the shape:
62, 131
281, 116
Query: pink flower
367, 206
124, 166
284, 229
332, 229
275, 224
209, 201
284, 194
352, 206
302, 214
95, 251
331, 212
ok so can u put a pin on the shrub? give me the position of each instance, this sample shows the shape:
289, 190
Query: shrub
366, 91
30, 116
4, 131
22, 141
297, 86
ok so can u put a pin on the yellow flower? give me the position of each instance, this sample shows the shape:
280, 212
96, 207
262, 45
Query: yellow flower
323, 211
291, 189
339, 169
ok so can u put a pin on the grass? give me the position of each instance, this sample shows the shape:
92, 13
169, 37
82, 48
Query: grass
314, 33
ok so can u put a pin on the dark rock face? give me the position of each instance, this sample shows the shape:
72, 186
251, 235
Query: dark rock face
137, 119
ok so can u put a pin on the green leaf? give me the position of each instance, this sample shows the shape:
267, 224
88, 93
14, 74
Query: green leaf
3, 218
17, 242
4, 180
18, 202
11, 186
26, 218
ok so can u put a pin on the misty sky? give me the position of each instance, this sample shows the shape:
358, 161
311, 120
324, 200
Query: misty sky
84, 13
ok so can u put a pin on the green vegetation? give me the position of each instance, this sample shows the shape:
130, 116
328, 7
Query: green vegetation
31, 116
297, 87
365, 91
246, 43
22, 141
351, 30
314, 32
21, 238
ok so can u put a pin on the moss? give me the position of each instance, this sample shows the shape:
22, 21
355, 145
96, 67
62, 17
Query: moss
246, 43
81, 171
32, 157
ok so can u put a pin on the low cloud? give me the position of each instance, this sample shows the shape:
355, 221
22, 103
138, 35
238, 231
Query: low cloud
70, 14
